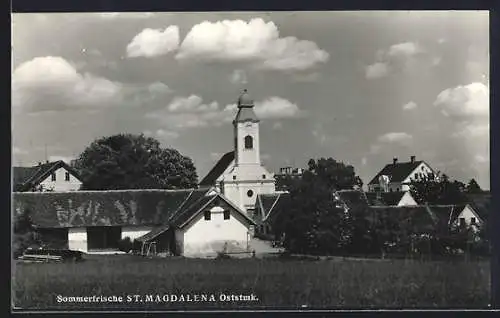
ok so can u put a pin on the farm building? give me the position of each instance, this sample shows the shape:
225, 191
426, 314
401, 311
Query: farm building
396, 176
390, 198
193, 223
458, 215
50, 176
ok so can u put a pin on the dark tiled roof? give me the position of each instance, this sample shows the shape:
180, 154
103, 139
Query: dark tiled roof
218, 169
397, 172
420, 217
386, 198
21, 174
352, 197
246, 114
106, 208
273, 204
191, 210
39, 173
447, 214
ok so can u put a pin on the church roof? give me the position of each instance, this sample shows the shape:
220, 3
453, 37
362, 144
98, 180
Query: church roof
245, 109
218, 169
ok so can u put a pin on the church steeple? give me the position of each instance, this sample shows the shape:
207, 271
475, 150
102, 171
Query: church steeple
245, 109
246, 132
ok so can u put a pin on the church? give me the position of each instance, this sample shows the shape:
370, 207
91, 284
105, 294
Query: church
239, 175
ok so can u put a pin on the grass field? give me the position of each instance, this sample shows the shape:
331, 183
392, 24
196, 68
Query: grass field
277, 283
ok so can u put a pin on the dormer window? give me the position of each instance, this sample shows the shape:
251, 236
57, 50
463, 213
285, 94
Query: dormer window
248, 142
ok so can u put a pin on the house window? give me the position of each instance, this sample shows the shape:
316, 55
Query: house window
473, 221
263, 176
226, 215
248, 142
390, 189
234, 177
53, 177
462, 221
207, 215
66, 176
250, 193
397, 189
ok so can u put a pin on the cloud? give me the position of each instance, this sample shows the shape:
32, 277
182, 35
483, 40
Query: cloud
364, 161
464, 101
154, 42
481, 159
405, 56
410, 106
395, 137
191, 104
19, 151
307, 77
473, 130
51, 83
255, 42
192, 112
238, 77
376, 70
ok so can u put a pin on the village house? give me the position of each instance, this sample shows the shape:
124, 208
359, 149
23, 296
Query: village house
400, 198
397, 176
284, 174
239, 175
192, 223
50, 176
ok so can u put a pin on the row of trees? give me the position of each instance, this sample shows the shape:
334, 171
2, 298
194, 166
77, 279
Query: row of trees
315, 223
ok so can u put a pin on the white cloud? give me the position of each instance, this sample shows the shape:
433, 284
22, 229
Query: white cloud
154, 42
403, 50
276, 107
481, 159
410, 106
377, 70
238, 77
395, 137
364, 161
52, 83
473, 130
126, 15
256, 42
464, 101
191, 104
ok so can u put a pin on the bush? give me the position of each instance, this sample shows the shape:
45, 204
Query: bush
125, 245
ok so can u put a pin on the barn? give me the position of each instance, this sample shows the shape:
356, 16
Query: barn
192, 223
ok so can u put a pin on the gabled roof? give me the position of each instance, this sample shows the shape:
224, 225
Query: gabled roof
32, 176
218, 169
386, 198
104, 208
398, 172
153, 233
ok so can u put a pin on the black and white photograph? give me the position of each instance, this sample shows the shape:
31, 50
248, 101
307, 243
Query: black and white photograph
285, 160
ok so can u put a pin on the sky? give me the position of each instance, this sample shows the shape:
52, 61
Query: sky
361, 87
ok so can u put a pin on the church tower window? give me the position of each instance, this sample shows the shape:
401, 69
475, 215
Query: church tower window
250, 193
248, 142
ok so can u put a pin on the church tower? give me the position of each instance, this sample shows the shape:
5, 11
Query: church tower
246, 132
247, 177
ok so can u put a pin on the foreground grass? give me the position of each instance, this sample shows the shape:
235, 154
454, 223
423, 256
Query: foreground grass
277, 283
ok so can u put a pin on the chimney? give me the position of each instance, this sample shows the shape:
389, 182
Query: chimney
395, 160
39, 163
412, 159
46, 161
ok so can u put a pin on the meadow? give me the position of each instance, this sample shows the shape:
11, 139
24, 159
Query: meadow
278, 283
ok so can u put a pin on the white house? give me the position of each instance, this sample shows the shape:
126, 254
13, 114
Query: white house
193, 223
398, 175
239, 174
51, 176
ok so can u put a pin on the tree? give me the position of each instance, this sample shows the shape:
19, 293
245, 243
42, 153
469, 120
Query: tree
440, 190
473, 187
313, 223
127, 161
24, 232
336, 175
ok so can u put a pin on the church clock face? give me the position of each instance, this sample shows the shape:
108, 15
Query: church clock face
250, 193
